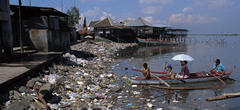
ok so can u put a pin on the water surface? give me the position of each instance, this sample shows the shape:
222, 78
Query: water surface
205, 50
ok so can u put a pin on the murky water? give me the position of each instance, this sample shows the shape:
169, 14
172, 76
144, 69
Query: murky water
204, 49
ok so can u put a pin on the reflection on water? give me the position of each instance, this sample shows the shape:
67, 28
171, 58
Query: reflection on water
149, 51
204, 50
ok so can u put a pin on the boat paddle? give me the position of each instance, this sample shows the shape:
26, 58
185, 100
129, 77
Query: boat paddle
162, 81
218, 79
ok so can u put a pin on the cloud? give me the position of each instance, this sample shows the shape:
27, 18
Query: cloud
187, 9
190, 19
96, 14
162, 2
214, 4
153, 6
105, 15
220, 3
151, 9
148, 19
130, 18
83, 1
92, 12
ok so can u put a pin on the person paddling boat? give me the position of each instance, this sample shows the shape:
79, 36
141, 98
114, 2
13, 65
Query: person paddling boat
218, 67
146, 72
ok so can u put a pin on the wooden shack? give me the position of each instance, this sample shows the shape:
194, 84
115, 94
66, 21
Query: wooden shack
144, 29
43, 28
113, 30
6, 38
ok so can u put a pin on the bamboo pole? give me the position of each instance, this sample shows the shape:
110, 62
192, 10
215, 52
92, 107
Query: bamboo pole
162, 81
224, 96
219, 79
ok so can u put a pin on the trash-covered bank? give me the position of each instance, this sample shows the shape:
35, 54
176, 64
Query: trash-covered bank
80, 79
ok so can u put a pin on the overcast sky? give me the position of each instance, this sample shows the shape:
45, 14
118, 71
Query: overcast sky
198, 16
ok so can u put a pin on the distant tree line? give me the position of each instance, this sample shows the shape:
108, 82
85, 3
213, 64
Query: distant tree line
74, 17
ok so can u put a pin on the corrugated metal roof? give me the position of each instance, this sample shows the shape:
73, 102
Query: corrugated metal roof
107, 22
142, 22
36, 11
92, 23
161, 25
113, 22
138, 22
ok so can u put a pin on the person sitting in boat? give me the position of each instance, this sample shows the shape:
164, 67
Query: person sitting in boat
146, 71
218, 67
165, 68
170, 73
184, 70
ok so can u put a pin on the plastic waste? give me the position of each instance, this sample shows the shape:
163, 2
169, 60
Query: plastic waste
134, 86
81, 62
175, 101
52, 78
149, 105
129, 104
79, 73
100, 96
73, 58
109, 75
53, 106
136, 92
119, 97
67, 55
101, 50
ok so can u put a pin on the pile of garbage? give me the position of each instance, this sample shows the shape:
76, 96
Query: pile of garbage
73, 82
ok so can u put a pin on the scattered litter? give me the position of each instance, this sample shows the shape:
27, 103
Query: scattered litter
74, 82
163, 102
175, 101
119, 97
136, 92
129, 104
52, 78
134, 85
149, 105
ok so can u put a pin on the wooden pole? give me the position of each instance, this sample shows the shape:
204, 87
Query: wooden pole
62, 5
30, 2
20, 26
162, 81
74, 3
224, 96
219, 79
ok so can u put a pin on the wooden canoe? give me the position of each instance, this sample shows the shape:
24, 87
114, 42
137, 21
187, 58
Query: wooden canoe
194, 77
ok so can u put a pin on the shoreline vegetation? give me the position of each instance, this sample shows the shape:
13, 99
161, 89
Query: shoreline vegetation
213, 34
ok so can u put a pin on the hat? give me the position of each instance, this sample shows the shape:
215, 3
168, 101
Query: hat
169, 65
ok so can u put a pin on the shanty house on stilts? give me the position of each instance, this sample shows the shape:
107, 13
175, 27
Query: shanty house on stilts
144, 29
110, 29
